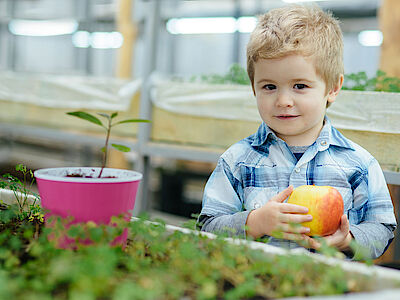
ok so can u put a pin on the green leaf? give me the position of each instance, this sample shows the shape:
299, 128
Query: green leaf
114, 115
74, 231
107, 116
380, 73
121, 148
20, 167
133, 121
103, 149
96, 234
85, 116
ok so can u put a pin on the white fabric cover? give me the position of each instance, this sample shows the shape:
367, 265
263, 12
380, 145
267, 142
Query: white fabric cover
354, 110
72, 92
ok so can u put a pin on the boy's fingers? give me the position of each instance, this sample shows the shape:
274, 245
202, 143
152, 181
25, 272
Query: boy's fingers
293, 208
311, 243
295, 218
283, 195
344, 224
288, 228
293, 236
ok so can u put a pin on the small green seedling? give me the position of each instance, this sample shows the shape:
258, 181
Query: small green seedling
91, 118
21, 189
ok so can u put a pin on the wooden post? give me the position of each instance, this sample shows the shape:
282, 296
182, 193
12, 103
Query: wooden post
128, 29
393, 252
389, 23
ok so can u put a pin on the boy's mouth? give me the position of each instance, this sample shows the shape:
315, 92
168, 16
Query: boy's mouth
286, 117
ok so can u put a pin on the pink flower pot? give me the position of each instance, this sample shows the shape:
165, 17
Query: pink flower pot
88, 199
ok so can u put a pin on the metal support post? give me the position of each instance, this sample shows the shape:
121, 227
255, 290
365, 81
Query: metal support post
236, 35
152, 24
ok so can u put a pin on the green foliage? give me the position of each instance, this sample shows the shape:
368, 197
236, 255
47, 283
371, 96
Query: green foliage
381, 82
88, 117
21, 190
121, 148
109, 119
236, 75
157, 264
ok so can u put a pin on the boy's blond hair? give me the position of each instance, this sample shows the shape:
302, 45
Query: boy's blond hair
298, 29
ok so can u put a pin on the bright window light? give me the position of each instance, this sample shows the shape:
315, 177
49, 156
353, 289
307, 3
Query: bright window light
211, 25
42, 27
246, 24
81, 39
297, 1
97, 40
106, 40
370, 38
201, 25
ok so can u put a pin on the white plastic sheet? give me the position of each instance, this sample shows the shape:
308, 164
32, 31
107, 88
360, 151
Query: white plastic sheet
221, 101
72, 92
366, 111
353, 110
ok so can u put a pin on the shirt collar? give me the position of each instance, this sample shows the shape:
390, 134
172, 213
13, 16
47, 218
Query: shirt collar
263, 134
328, 136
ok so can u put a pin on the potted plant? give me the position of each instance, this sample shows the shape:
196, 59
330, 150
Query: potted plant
90, 193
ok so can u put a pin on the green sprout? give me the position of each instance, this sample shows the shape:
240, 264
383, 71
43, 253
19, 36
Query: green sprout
22, 190
109, 118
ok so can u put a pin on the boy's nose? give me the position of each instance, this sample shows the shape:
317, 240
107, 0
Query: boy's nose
284, 100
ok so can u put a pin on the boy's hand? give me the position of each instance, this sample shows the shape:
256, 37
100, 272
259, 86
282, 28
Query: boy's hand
277, 217
340, 239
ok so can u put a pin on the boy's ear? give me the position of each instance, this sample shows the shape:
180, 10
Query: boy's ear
335, 90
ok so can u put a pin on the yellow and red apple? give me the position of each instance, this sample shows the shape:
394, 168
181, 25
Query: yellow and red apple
324, 203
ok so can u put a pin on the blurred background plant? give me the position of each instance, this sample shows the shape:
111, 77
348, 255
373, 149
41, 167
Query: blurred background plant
354, 81
380, 82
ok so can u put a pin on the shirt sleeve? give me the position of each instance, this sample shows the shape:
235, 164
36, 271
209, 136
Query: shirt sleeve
373, 237
231, 225
222, 202
372, 219
223, 192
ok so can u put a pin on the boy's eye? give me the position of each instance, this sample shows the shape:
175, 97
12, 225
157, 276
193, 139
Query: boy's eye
300, 86
270, 87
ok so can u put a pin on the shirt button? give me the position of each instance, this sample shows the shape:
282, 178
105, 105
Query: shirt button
256, 205
297, 170
324, 143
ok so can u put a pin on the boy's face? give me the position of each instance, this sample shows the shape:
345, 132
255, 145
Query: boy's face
291, 98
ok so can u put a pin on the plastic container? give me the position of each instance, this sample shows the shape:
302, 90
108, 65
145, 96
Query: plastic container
84, 199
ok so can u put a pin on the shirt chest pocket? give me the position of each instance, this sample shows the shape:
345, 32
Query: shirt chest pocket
255, 197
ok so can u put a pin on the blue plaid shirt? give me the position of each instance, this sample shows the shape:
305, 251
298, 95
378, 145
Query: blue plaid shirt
260, 166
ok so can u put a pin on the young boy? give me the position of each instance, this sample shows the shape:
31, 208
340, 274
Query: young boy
295, 64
